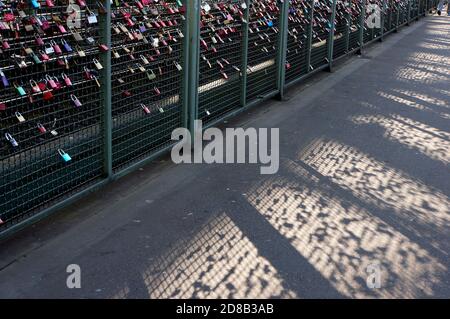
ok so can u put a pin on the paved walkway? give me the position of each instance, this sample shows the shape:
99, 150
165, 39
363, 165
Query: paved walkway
364, 179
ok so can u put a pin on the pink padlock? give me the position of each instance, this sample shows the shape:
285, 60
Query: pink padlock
75, 100
56, 47
66, 79
51, 82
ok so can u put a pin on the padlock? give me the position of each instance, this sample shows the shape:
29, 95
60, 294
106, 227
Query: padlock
145, 108
49, 49
96, 80
66, 79
38, 40
92, 18
36, 59
66, 157
66, 45
97, 64
20, 89
103, 47
77, 36
75, 100
5, 44
80, 52
35, 4
35, 87
151, 75
87, 73
157, 91
41, 128
61, 28
49, 3
177, 65
225, 76
51, 82
4, 79
11, 140
140, 67
44, 56
90, 40
19, 117
2, 106
47, 95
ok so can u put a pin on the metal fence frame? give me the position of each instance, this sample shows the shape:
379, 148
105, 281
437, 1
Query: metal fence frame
396, 13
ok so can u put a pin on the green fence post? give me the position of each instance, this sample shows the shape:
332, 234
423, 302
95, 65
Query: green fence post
105, 83
309, 40
408, 18
282, 47
382, 20
348, 20
330, 39
185, 63
193, 18
244, 57
361, 26
397, 19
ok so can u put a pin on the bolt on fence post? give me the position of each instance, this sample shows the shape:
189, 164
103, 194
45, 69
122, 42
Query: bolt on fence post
330, 40
185, 63
105, 80
244, 57
193, 18
309, 39
282, 48
361, 26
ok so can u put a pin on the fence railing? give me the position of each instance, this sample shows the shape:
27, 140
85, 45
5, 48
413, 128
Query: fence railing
91, 89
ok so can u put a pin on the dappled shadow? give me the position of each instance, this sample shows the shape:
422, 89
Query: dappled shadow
340, 238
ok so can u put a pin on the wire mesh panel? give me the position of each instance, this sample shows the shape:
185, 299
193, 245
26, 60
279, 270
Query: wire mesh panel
355, 24
220, 57
320, 33
51, 113
402, 11
388, 14
341, 32
414, 12
299, 21
369, 21
263, 45
376, 28
147, 42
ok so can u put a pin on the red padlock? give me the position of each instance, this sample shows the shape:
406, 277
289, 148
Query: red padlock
41, 128
47, 96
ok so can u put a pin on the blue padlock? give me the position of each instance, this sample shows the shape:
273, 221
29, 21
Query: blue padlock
35, 4
11, 139
66, 45
66, 157
4, 79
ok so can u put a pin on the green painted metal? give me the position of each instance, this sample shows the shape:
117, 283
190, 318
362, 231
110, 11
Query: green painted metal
105, 76
347, 29
362, 26
309, 42
330, 40
282, 45
244, 57
193, 17
102, 131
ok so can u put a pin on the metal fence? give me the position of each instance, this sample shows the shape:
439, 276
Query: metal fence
91, 89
